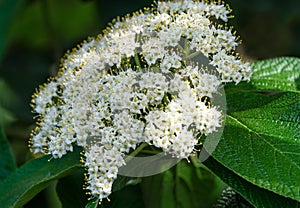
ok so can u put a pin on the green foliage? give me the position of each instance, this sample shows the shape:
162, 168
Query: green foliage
22, 185
7, 162
259, 197
261, 144
185, 185
281, 74
53, 23
258, 154
231, 199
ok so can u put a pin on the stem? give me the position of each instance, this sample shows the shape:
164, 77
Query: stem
195, 160
137, 150
181, 48
186, 47
192, 55
151, 152
137, 60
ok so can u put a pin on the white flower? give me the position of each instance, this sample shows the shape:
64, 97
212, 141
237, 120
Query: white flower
153, 49
141, 81
102, 165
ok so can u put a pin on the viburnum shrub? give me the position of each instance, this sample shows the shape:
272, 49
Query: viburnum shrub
150, 83
138, 83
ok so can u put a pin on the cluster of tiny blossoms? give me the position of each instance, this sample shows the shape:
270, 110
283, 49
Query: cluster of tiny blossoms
139, 82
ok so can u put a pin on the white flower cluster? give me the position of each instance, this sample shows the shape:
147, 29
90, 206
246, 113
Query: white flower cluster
139, 82
104, 163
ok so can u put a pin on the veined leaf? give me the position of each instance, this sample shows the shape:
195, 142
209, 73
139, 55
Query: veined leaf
278, 74
261, 141
22, 185
7, 162
259, 197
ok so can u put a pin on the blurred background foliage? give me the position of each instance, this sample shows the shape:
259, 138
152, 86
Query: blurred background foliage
34, 35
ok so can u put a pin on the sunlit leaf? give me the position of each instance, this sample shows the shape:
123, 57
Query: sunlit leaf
278, 74
261, 141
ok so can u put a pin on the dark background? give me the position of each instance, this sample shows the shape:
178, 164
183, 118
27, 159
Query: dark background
34, 34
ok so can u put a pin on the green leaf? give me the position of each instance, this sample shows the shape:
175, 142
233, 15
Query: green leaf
278, 74
21, 186
196, 185
261, 141
184, 185
259, 197
7, 162
70, 190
